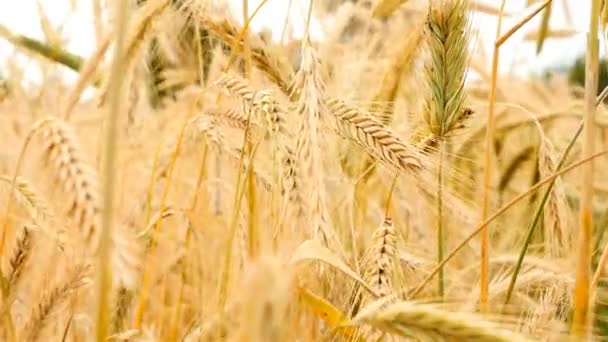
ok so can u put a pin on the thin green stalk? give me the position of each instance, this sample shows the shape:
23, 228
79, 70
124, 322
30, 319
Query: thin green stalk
541, 205
496, 214
53, 53
440, 227
111, 143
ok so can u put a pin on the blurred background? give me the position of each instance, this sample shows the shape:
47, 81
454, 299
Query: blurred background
73, 21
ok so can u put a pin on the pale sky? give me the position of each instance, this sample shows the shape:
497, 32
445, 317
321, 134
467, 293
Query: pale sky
21, 16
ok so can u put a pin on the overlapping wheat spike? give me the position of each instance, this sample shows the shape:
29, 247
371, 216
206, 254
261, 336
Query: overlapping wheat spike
205, 127
308, 96
140, 30
274, 66
274, 116
51, 301
77, 178
378, 140
378, 265
266, 110
236, 119
558, 234
383, 103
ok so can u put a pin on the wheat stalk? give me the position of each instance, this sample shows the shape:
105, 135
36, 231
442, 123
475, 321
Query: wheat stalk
267, 110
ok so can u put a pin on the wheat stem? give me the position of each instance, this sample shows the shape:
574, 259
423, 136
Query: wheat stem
583, 267
111, 142
499, 212
541, 205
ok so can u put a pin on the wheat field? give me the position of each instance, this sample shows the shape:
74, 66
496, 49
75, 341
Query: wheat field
199, 181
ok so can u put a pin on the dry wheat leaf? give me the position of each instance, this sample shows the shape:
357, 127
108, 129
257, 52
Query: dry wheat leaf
313, 250
322, 308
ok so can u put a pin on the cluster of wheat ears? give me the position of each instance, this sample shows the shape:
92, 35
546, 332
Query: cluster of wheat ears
221, 185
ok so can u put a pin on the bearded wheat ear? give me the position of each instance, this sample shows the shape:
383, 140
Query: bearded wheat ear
380, 268
558, 236
308, 97
19, 259
353, 162
236, 119
444, 112
77, 178
266, 109
138, 33
428, 322
236, 86
33, 201
378, 140
273, 65
51, 301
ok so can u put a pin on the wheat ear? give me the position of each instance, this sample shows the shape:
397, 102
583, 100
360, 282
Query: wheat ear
445, 71
275, 67
51, 301
308, 94
558, 235
428, 322
137, 34
380, 268
76, 176
19, 258
382, 106
265, 109
375, 138
36, 205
